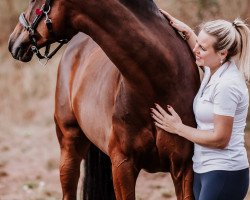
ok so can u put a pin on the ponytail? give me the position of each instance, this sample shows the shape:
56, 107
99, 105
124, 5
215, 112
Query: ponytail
244, 53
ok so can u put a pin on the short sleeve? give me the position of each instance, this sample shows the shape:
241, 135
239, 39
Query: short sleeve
226, 98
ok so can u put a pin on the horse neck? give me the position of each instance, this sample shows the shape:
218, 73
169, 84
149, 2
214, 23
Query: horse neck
135, 36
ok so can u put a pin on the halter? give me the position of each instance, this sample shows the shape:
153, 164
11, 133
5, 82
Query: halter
31, 28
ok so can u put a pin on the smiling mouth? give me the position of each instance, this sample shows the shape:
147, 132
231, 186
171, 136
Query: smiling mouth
197, 57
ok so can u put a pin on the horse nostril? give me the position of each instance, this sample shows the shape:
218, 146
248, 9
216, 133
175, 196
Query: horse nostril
16, 52
10, 45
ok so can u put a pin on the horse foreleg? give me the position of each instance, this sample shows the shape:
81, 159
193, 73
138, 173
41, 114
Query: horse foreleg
182, 175
124, 176
74, 146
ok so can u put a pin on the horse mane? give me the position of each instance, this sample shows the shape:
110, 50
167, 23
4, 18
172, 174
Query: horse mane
142, 8
145, 4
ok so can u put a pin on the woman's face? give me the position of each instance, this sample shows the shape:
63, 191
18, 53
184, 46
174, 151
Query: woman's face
204, 51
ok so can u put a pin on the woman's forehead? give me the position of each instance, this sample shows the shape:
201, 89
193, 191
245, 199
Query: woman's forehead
205, 39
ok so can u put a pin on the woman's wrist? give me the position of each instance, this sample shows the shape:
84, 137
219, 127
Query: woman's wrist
187, 33
186, 36
178, 130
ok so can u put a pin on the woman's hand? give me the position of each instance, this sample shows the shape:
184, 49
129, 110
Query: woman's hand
178, 25
170, 123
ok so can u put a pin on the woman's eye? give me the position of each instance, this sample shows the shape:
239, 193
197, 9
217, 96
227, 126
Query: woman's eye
202, 48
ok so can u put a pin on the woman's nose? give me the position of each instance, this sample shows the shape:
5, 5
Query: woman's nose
195, 48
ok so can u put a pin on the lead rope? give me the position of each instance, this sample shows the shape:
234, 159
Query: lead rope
43, 64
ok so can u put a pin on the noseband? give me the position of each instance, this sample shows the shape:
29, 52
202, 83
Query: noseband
31, 28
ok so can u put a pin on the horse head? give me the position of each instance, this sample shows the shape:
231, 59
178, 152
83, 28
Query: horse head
39, 26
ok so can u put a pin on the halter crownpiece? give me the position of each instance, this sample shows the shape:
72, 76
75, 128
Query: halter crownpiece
31, 28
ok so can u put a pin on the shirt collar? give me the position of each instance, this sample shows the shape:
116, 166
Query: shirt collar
219, 72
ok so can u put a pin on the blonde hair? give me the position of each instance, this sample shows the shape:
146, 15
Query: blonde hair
234, 37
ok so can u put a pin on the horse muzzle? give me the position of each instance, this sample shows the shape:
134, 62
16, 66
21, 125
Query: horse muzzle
20, 50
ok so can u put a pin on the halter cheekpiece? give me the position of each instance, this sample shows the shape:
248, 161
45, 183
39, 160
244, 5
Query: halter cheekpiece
31, 28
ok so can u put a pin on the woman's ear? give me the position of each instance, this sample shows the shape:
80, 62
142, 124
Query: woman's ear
223, 54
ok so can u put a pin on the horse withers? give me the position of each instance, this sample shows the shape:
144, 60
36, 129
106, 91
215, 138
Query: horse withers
106, 101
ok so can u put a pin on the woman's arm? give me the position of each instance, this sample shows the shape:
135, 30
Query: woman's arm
183, 28
218, 138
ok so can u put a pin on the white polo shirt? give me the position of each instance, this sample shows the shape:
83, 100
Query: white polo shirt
225, 94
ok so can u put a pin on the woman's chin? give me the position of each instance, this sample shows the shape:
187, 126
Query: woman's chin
199, 63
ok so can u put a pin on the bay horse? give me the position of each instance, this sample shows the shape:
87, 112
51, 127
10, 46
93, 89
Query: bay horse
106, 100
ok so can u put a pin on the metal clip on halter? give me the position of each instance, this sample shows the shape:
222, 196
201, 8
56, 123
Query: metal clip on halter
47, 19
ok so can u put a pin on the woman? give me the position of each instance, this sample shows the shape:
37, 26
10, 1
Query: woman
220, 160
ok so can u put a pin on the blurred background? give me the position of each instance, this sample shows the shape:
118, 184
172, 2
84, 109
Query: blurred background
29, 152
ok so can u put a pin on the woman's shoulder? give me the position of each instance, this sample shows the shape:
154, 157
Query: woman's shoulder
234, 85
233, 76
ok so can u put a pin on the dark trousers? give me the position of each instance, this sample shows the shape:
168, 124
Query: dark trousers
221, 185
